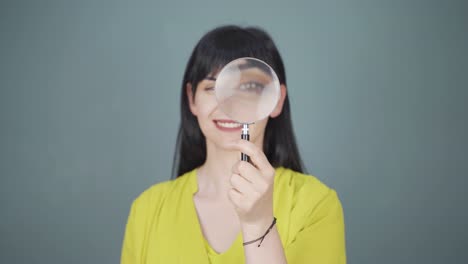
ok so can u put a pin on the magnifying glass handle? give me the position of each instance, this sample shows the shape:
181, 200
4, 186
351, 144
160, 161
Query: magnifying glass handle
245, 135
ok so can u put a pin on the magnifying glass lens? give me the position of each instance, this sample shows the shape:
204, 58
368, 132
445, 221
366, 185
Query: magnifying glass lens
247, 90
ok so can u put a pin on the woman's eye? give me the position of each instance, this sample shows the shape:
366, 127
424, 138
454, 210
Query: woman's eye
251, 87
209, 88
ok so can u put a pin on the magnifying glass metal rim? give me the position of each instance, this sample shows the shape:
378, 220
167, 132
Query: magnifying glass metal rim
275, 79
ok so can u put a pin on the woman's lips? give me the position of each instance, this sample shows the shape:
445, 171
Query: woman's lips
227, 125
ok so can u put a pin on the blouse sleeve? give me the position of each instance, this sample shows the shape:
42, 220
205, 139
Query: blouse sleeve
322, 238
132, 239
136, 230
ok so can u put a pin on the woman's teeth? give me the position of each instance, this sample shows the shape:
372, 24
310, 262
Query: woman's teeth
228, 125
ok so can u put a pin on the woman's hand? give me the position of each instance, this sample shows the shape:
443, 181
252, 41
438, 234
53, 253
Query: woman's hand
252, 192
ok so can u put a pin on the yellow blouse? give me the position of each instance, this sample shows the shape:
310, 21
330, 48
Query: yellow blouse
163, 225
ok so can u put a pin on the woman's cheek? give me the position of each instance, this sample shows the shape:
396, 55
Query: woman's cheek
259, 128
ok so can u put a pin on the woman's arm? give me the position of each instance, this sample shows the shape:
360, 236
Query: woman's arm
270, 251
252, 196
322, 237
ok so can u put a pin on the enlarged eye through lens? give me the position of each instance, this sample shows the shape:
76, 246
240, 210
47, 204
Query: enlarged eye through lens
254, 87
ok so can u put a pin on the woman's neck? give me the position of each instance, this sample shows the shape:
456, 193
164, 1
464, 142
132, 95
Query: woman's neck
214, 175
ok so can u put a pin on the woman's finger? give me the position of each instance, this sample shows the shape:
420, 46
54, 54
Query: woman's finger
251, 174
235, 197
256, 155
241, 185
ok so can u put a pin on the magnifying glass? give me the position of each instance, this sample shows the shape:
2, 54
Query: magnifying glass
247, 90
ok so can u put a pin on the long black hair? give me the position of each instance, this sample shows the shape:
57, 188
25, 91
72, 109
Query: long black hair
214, 50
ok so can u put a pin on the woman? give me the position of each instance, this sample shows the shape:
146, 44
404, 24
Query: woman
222, 210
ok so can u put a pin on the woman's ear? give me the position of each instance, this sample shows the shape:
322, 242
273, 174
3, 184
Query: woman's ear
279, 106
191, 100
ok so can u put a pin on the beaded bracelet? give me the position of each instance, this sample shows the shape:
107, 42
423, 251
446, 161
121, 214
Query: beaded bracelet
262, 237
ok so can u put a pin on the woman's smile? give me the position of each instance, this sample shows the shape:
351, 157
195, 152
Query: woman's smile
227, 125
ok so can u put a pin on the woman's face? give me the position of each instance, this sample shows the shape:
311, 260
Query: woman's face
217, 127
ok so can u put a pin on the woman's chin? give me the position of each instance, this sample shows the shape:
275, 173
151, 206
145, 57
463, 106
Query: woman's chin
227, 144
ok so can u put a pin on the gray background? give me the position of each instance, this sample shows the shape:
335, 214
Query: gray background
90, 107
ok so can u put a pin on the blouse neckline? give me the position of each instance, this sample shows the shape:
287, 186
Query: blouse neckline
193, 225
193, 183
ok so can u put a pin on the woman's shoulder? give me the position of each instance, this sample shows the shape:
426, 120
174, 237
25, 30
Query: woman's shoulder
158, 192
302, 200
303, 195
300, 184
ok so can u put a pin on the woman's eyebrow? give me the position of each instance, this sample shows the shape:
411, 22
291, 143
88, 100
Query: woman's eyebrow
210, 78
